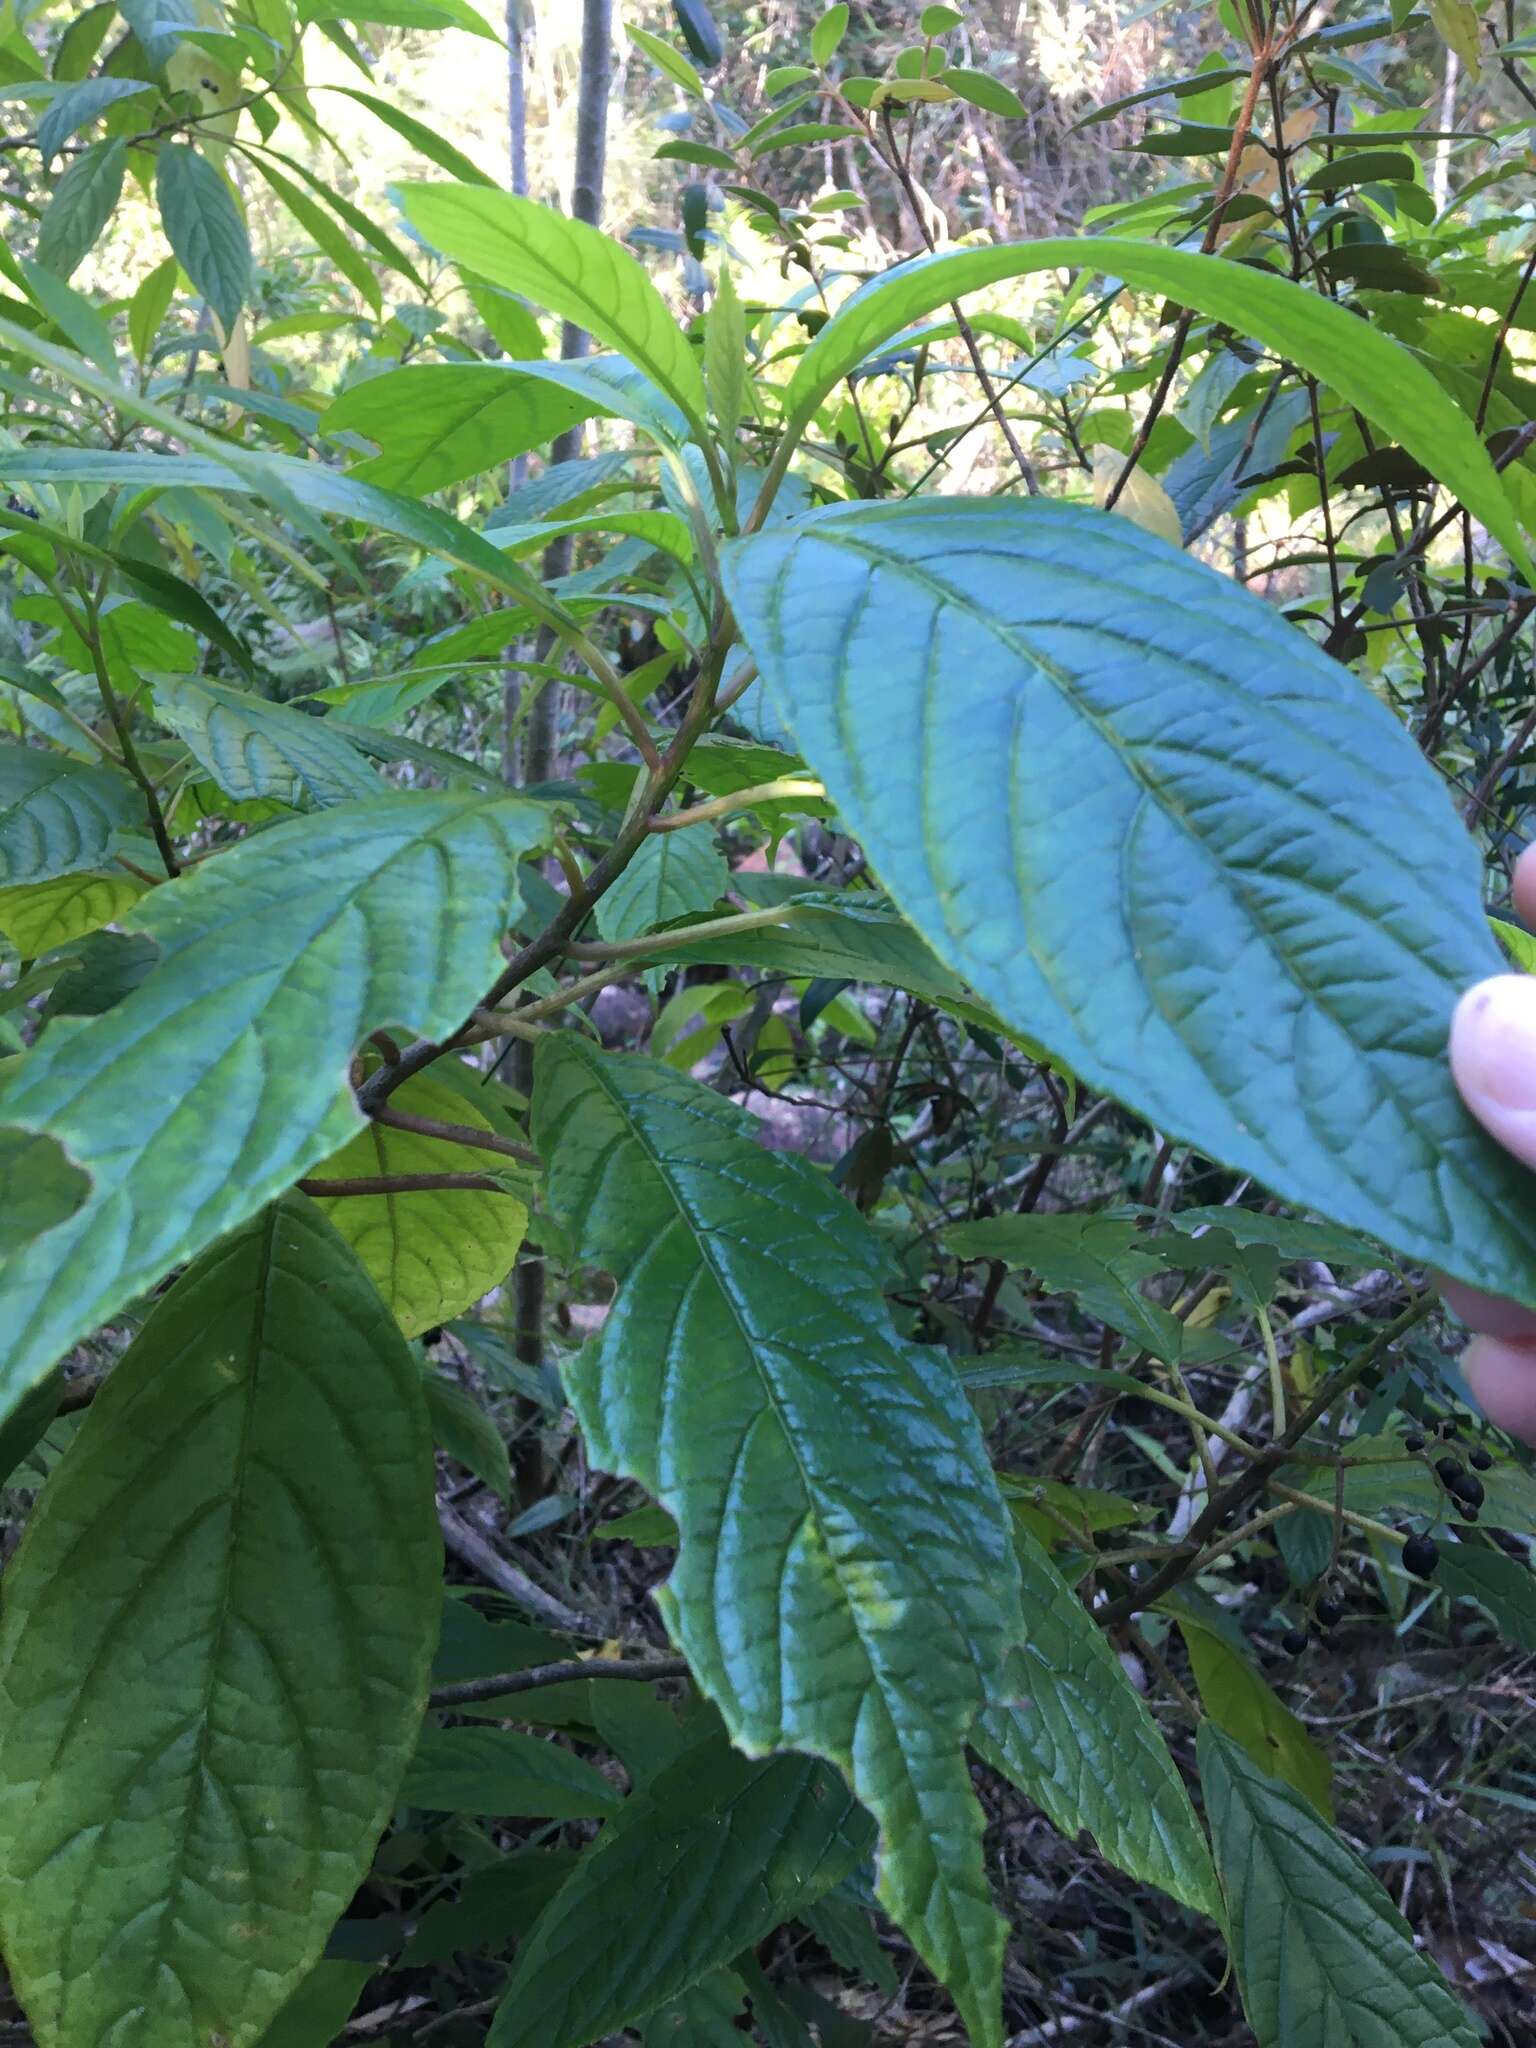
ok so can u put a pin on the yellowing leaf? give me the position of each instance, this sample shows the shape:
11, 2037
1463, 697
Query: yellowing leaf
433, 1254
38, 916
1143, 501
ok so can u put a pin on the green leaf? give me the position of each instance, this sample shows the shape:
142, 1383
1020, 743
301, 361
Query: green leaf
667, 60
401, 14
431, 1255
316, 2013
462, 1427
82, 204
38, 916
749, 1377
500, 1771
77, 108
1100, 1259
1211, 932
568, 268
222, 1077
672, 875
984, 91
938, 21
58, 816
704, 2017
437, 423
1504, 1587
1246, 1707
432, 146
1369, 370
1294, 1238
725, 356
40, 1185
828, 33
237, 1559
1323, 1958
723, 1850
149, 306
325, 234
204, 228
253, 747
1073, 1734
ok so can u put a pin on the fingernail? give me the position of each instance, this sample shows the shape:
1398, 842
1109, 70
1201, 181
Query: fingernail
1493, 1041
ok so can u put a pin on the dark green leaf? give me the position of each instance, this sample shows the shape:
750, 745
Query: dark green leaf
751, 1291
238, 1558
1295, 1028
501, 1771
462, 1427
81, 206
204, 227
1504, 1587
75, 109
721, 1849
316, 2013
1323, 1958
673, 874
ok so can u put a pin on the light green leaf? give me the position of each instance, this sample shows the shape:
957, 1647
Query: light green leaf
1504, 1587
673, 874
430, 1255
82, 204
432, 145
1368, 369
500, 1771
204, 227
222, 1077
1242, 1703
253, 747
567, 267
57, 815
437, 423
1323, 1958
38, 916
1211, 932
667, 60
722, 1850
320, 2008
828, 33
237, 1559
149, 306
749, 1377
984, 91
1074, 1735
401, 14
725, 356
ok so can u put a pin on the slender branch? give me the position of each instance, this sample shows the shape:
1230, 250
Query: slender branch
403, 1184
482, 1556
740, 800
643, 1670
684, 935
454, 1134
89, 629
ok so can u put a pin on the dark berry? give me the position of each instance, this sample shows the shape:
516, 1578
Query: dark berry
1449, 1470
1481, 1461
1330, 1613
1467, 1512
1294, 1641
1448, 1430
431, 1337
1414, 1442
1420, 1556
1468, 1489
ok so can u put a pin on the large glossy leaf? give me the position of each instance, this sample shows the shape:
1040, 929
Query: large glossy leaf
1368, 369
1323, 1958
57, 815
215, 1651
673, 874
253, 747
223, 1076
845, 1584
1074, 1735
430, 1255
721, 1850
436, 423
567, 267
1161, 834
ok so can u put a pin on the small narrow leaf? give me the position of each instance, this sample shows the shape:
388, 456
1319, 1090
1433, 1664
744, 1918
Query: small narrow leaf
827, 1594
667, 60
1323, 1958
204, 227
237, 1559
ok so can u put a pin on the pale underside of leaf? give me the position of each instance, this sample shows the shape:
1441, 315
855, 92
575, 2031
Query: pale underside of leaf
223, 1077
254, 748
846, 1585
57, 815
1163, 835
215, 1651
